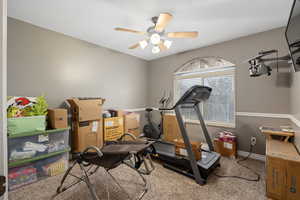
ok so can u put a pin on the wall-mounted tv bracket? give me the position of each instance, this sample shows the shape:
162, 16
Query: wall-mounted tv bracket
258, 65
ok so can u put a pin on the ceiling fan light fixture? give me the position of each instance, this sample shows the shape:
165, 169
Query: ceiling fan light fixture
168, 43
155, 49
143, 44
155, 38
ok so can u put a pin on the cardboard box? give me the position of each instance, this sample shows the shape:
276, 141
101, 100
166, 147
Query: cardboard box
113, 128
120, 113
132, 123
58, 118
180, 148
88, 133
171, 130
228, 149
87, 125
86, 109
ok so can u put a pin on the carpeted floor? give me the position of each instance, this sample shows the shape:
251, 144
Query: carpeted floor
163, 185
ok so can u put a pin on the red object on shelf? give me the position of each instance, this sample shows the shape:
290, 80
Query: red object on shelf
226, 136
21, 176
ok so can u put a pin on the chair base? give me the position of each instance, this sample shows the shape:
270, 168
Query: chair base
92, 169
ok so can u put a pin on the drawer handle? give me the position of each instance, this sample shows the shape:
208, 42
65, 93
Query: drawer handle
293, 185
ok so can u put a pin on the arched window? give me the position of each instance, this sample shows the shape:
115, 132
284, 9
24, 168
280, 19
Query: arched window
217, 73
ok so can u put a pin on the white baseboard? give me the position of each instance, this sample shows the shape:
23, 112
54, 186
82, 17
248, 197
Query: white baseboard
134, 109
252, 156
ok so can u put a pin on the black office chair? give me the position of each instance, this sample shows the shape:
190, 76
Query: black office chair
112, 155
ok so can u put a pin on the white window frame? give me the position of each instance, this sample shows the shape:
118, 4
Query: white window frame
204, 73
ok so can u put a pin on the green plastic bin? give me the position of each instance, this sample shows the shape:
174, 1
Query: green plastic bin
25, 124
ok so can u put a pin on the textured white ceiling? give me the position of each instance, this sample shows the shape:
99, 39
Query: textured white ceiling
94, 20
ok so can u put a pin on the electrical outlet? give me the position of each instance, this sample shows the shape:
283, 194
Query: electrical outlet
253, 141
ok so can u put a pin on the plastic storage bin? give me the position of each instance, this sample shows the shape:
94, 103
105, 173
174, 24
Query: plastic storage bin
37, 170
37, 144
21, 176
25, 124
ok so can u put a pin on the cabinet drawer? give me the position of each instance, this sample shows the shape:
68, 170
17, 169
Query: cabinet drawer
293, 180
276, 178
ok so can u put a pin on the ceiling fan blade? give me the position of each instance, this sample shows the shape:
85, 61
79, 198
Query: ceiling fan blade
162, 46
163, 21
134, 46
130, 30
192, 34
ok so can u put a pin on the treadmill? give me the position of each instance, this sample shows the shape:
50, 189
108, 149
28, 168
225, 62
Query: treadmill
199, 170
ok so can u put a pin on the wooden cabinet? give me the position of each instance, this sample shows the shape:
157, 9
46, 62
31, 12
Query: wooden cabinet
282, 170
275, 178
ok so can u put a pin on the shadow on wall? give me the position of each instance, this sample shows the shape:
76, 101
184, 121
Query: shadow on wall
283, 74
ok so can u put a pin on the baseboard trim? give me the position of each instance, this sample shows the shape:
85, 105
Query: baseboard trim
134, 109
252, 156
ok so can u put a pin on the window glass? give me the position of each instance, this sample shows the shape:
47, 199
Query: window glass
220, 106
182, 86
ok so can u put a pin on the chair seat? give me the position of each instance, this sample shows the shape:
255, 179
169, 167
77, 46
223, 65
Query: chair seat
115, 153
107, 161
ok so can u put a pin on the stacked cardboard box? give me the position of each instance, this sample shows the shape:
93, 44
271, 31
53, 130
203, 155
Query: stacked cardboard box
87, 123
171, 130
225, 144
113, 128
180, 148
132, 123
225, 148
57, 118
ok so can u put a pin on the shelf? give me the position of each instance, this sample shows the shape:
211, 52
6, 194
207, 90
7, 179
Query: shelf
46, 132
29, 160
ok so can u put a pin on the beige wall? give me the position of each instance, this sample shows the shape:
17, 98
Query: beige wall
261, 94
45, 62
295, 95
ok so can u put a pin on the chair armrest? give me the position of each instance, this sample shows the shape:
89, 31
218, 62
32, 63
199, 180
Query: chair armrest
127, 134
98, 151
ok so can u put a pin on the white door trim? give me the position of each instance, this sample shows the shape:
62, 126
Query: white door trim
3, 91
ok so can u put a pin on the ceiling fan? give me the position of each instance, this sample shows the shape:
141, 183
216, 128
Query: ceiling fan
156, 34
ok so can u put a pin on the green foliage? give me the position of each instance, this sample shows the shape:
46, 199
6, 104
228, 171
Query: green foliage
27, 112
12, 112
40, 108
